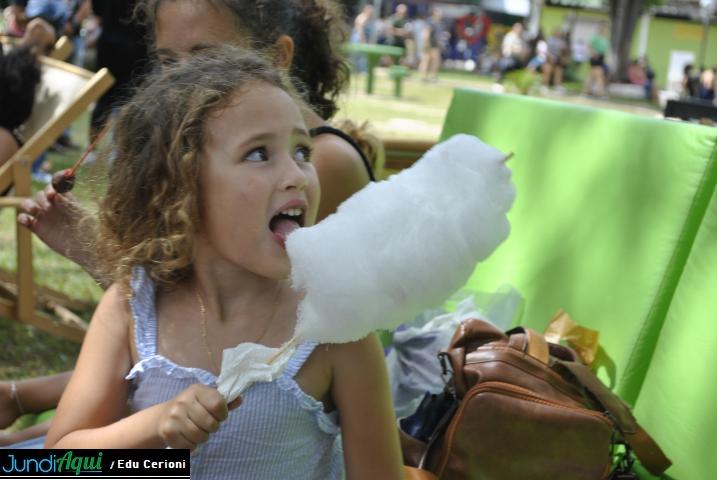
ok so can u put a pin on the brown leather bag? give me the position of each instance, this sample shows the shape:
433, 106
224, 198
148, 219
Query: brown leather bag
526, 409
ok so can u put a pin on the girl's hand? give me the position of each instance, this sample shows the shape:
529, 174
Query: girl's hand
55, 219
189, 418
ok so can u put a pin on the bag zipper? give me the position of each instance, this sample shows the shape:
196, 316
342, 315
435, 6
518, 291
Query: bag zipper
532, 396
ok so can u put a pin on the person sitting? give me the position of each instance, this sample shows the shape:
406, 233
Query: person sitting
707, 85
690, 82
39, 22
514, 51
640, 73
19, 78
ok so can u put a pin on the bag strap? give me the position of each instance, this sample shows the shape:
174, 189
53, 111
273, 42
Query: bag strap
646, 449
534, 344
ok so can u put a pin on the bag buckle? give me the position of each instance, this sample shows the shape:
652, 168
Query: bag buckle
446, 370
622, 460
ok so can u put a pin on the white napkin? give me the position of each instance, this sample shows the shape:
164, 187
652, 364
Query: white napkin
248, 363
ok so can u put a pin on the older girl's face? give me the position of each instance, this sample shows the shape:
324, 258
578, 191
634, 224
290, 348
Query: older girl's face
257, 180
183, 27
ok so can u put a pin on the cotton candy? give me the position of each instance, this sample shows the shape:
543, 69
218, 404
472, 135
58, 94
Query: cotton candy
392, 250
403, 245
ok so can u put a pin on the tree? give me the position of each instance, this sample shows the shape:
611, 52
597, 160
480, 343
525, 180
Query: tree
624, 15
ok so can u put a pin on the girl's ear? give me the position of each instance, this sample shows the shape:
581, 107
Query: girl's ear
284, 48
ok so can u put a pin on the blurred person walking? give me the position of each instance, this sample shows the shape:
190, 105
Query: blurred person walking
432, 39
556, 60
596, 82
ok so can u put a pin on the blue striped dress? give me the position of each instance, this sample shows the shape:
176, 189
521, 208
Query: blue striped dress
278, 431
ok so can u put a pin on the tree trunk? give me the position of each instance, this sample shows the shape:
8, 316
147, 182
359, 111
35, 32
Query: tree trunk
533, 26
624, 15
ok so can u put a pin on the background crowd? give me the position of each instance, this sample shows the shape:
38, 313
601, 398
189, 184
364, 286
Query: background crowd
476, 43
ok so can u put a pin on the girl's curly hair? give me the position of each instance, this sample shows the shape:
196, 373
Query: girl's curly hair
149, 215
317, 27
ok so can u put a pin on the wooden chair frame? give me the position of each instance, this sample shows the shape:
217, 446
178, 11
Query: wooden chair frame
400, 153
62, 49
19, 300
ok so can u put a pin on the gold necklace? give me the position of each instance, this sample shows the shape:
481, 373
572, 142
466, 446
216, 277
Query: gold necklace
203, 314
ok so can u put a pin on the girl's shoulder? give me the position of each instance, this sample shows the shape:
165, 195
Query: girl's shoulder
353, 358
114, 309
333, 148
338, 361
341, 170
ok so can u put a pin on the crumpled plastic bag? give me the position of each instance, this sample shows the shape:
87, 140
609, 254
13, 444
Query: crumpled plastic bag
581, 339
412, 361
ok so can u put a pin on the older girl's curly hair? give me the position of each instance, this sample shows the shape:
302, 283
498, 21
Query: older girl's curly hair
317, 27
149, 215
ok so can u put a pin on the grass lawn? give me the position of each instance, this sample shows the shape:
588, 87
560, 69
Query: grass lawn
24, 350
419, 114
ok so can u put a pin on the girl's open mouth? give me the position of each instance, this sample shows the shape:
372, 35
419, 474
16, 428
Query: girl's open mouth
285, 222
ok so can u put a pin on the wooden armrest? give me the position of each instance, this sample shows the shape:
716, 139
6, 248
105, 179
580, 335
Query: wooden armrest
11, 202
402, 154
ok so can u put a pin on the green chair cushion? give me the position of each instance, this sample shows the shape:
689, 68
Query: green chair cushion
678, 399
607, 208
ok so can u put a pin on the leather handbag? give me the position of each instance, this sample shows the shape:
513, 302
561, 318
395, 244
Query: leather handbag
518, 407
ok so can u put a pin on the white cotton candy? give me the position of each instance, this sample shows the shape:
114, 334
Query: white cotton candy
403, 245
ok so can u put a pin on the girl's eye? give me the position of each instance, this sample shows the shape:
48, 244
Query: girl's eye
257, 155
303, 154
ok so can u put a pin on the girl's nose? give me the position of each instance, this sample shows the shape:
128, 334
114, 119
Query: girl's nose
293, 175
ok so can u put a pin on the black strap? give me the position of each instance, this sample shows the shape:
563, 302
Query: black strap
315, 132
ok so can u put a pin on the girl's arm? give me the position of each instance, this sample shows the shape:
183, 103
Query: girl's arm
360, 391
95, 399
91, 409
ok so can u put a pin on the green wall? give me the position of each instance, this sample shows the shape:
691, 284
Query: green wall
664, 36
667, 35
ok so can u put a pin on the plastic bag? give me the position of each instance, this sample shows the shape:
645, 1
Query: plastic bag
412, 361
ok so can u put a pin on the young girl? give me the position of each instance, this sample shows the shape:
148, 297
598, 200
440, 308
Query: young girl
302, 37
212, 170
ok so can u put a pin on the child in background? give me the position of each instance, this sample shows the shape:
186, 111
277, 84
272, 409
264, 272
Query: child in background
211, 172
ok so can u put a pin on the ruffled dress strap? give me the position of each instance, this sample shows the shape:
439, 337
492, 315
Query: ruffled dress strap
328, 422
144, 315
